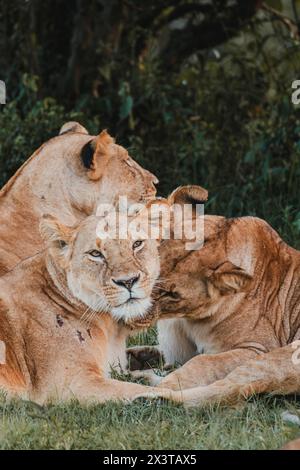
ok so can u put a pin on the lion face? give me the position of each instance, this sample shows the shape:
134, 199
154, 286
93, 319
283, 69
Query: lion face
193, 282
108, 275
74, 173
104, 171
196, 281
184, 288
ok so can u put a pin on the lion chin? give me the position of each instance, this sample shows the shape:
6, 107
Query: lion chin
131, 309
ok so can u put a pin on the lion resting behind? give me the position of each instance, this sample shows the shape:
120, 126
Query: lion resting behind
236, 309
68, 176
63, 311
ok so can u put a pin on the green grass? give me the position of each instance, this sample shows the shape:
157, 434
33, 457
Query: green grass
145, 425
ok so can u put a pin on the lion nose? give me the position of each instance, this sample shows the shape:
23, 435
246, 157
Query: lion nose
128, 283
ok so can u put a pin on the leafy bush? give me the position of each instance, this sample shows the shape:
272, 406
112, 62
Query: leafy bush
26, 122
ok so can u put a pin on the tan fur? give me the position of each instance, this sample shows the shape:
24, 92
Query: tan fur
59, 315
54, 180
232, 310
293, 445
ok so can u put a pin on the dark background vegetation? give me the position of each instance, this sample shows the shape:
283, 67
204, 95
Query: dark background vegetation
199, 91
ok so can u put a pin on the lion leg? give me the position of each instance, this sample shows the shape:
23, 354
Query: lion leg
101, 390
149, 375
175, 344
143, 357
205, 369
276, 372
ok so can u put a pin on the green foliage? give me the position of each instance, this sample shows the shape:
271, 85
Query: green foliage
26, 122
145, 425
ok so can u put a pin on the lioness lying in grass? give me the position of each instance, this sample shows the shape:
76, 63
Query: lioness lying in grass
237, 308
63, 311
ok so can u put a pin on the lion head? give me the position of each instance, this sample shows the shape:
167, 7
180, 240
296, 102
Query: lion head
71, 174
114, 275
99, 171
69, 177
194, 281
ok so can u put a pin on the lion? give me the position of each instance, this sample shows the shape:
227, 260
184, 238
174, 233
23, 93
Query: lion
230, 312
63, 313
68, 176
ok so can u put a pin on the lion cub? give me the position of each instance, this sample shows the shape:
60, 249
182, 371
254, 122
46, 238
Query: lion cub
62, 314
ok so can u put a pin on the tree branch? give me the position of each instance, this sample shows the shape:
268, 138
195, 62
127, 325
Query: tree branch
288, 22
219, 25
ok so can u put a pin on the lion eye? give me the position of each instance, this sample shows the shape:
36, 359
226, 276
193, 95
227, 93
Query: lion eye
171, 294
175, 295
96, 254
137, 244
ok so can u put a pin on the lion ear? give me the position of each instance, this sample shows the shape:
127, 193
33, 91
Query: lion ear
229, 278
72, 126
191, 194
55, 233
96, 154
